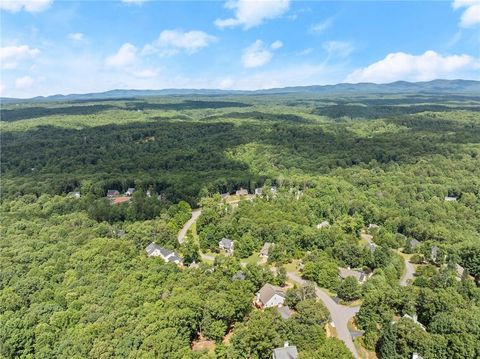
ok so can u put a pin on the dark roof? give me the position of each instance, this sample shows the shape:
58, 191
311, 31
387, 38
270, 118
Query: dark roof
152, 247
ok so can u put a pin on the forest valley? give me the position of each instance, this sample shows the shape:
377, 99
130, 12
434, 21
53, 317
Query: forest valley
372, 184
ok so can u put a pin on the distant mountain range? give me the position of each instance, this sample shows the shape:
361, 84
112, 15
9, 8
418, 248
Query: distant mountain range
427, 87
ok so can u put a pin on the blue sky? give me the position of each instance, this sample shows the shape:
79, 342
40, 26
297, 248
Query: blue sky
50, 47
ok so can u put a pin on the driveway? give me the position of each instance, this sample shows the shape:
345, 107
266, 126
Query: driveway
183, 232
340, 314
408, 275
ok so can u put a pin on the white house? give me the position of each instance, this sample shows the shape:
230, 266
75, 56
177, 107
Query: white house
270, 296
130, 191
154, 250
324, 224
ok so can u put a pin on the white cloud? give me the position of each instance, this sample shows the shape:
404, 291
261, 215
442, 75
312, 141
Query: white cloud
257, 54
427, 66
125, 56
305, 52
11, 55
76, 36
171, 42
321, 26
24, 82
136, 2
276, 45
251, 13
27, 5
225, 83
146, 73
338, 48
471, 15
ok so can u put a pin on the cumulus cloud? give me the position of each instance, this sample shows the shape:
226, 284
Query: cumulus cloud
170, 42
27, 5
125, 56
471, 15
24, 82
251, 13
427, 66
258, 54
10, 56
76, 36
137, 2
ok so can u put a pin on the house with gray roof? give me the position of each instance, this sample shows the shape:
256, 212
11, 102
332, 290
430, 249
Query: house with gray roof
112, 193
287, 352
241, 192
451, 198
130, 191
285, 312
269, 296
154, 250
225, 195
414, 243
226, 245
258, 191
360, 276
265, 249
460, 271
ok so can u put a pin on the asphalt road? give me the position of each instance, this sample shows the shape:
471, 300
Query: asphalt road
340, 314
408, 275
183, 232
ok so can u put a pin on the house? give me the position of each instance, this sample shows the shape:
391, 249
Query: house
225, 195
324, 224
112, 193
451, 198
120, 233
154, 250
434, 253
118, 200
226, 245
416, 356
414, 243
460, 271
258, 191
73, 194
273, 189
269, 296
358, 275
130, 191
241, 192
194, 265
373, 226
149, 194
287, 352
285, 312
265, 249
371, 246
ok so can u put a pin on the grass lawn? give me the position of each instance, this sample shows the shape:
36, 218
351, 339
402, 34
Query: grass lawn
253, 259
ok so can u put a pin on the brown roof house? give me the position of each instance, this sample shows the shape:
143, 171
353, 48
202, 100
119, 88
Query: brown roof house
269, 296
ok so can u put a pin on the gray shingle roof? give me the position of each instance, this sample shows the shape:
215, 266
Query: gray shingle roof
285, 312
287, 352
226, 243
268, 291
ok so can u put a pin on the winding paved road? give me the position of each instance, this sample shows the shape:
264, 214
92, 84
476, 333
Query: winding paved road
183, 232
340, 314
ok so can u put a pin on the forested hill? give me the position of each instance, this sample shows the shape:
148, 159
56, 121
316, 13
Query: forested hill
432, 87
351, 191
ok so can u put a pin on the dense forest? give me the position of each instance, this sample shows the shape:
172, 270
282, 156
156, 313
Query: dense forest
75, 280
